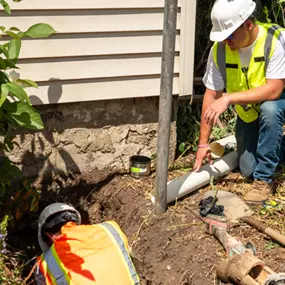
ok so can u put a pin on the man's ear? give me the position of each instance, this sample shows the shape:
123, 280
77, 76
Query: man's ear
249, 25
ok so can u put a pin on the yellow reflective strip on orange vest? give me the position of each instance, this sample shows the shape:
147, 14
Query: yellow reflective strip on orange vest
61, 266
47, 271
114, 234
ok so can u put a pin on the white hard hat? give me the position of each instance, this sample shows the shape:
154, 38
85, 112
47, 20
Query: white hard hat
228, 15
50, 211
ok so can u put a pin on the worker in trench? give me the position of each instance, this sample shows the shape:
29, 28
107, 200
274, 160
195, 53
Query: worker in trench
246, 68
81, 254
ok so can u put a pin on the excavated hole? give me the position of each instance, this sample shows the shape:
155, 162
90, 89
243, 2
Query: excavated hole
166, 249
86, 197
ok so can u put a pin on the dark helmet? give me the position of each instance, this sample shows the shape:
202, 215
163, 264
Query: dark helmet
55, 214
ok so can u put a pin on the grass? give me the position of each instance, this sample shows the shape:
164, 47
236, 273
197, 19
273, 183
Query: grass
11, 269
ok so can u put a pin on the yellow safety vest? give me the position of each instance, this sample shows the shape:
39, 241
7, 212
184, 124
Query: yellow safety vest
88, 254
238, 79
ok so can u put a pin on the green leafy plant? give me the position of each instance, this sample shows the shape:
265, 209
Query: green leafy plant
271, 245
16, 111
3, 234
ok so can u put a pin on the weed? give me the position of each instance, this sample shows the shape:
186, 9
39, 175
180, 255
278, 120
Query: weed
10, 264
13, 274
188, 127
271, 245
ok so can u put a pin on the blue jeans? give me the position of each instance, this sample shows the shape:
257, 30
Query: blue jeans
261, 144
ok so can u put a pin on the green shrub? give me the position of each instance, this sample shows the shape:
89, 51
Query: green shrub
16, 111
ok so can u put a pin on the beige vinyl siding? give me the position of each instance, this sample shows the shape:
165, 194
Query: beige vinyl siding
90, 21
93, 68
80, 91
66, 46
187, 43
102, 50
87, 4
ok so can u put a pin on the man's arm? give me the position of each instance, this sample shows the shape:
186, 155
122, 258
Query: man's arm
210, 97
205, 128
268, 92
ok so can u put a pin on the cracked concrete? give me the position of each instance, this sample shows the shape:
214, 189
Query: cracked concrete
86, 136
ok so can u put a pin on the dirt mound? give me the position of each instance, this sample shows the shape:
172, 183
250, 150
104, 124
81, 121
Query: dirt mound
167, 249
172, 248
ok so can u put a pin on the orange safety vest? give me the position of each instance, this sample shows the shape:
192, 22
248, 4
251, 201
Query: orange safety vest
88, 254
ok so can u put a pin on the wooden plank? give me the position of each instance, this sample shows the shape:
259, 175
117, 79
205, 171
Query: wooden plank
56, 92
85, 4
188, 16
93, 68
87, 22
67, 47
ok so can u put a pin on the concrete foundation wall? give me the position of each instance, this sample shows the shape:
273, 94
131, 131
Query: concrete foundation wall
80, 137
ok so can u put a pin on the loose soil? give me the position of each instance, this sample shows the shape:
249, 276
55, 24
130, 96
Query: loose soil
169, 249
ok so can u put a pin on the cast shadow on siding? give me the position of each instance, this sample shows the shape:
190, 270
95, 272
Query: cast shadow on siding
54, 93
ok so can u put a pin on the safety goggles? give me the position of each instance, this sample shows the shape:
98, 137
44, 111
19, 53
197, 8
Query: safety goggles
231, 36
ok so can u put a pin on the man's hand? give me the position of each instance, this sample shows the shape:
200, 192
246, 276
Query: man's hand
200, 155
218, 107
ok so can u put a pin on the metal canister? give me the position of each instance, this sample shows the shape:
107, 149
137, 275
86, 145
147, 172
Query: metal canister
140, 166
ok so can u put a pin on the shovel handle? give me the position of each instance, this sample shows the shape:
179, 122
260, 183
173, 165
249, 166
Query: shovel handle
264, 229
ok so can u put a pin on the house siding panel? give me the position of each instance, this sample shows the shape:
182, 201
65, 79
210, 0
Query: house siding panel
87, 4
94, 45
102, 50
89, 21
92, 68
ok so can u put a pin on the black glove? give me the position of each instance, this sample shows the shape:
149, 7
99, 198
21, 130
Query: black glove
208, 206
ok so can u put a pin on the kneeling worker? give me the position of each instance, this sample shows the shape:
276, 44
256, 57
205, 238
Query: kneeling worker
75, 254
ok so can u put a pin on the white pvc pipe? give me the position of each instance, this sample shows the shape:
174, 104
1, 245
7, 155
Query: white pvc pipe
192, 181
230, 140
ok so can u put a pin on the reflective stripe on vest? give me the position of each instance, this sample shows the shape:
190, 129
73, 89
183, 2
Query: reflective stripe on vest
221, 61
260, 60
268, 43
54, 268
111, 229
